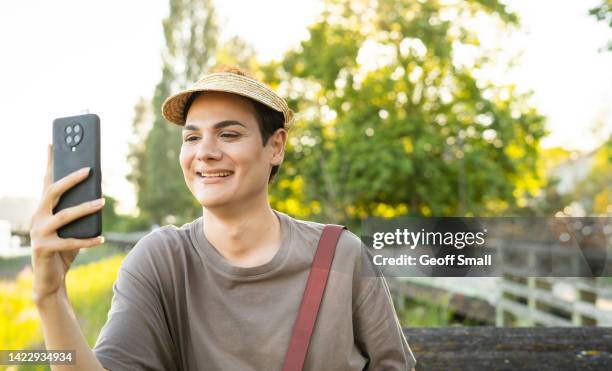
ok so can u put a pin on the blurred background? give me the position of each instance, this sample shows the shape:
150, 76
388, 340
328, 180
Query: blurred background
420, 108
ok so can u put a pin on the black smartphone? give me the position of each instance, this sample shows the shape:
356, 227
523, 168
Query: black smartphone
76, 144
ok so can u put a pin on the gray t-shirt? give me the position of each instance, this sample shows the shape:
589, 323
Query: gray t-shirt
178, 304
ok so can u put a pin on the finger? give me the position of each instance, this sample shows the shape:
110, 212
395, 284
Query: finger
58, 188
57, 244
48, 175
70, 244
72, 213
80, 243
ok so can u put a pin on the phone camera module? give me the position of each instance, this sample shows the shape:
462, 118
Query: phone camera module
75, 134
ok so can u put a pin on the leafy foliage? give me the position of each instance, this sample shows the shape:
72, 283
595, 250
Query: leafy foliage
603, 13
392, 120
114, 222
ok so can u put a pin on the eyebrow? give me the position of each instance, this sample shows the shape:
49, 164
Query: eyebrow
218, 125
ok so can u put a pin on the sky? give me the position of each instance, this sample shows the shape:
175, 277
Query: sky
63, 57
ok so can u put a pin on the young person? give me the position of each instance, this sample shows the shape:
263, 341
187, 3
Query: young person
221, 292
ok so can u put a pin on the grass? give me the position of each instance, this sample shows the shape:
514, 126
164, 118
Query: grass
419, 314
89, 288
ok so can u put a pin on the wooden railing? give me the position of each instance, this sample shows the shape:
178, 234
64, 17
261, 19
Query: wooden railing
531, 301
494, 348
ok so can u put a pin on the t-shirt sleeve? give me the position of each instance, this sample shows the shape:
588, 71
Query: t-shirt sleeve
136, 335
378, 332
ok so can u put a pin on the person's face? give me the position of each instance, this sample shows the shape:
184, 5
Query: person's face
222, 156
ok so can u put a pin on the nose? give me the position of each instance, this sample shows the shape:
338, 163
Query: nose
208, 149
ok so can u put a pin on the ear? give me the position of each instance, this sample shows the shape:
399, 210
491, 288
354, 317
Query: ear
277, 141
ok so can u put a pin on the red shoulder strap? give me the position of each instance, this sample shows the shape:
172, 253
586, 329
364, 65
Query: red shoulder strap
311, 301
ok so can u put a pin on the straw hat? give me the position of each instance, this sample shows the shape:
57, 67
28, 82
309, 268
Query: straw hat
229, 82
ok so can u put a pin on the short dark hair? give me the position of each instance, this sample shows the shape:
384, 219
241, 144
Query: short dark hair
268, 120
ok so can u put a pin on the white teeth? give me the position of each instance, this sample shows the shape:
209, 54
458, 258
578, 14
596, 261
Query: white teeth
222, 174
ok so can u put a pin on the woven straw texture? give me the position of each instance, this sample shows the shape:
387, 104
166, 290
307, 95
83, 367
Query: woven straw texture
173, 106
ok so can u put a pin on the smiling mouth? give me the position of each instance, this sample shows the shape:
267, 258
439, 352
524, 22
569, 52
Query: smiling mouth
221, 174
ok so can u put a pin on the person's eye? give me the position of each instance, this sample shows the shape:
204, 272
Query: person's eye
191, 138
229, 135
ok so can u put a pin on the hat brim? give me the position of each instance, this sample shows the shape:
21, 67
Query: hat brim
173, 108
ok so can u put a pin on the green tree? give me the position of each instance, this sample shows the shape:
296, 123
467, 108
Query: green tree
110, 219
114, 222
411, 128
603, 13
237, 52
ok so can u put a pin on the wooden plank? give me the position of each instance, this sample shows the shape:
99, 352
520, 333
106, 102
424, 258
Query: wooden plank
492, 348
596, 286
548, 298
523, 312
580, 311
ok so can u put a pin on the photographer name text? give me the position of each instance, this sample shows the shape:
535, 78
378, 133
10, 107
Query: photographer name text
426, 260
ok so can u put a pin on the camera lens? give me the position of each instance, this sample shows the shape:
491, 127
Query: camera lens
77, 129
68, 129
68, 139
77, 138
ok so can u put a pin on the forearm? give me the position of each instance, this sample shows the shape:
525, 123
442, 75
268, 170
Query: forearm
62, 332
